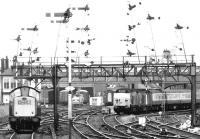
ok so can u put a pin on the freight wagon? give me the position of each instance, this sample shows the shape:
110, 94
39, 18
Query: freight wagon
47, 96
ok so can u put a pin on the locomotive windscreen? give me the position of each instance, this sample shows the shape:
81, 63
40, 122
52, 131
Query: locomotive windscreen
24, 91
124, 90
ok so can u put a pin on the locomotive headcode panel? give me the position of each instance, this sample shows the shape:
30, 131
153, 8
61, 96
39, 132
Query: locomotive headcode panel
24, 106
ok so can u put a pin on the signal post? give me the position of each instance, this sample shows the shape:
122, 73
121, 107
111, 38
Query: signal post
69, 93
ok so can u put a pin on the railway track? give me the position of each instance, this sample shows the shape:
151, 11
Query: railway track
173, 130
97, 123
153, 128
112, 128
184, 133
91, 123
47, 122
127, 127
33, 135
22, 136
81, 125
112, 122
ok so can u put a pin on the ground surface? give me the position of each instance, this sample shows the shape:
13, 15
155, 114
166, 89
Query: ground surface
4, 110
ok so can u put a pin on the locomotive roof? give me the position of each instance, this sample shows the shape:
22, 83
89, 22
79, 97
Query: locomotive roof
128, 90
148, 86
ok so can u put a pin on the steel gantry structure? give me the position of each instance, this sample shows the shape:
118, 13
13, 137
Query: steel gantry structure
124, 69
120, 70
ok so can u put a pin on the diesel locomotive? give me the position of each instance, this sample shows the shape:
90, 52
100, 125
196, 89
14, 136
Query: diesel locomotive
139, 101
24, 109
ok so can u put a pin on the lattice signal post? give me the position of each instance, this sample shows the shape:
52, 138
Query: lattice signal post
66, 15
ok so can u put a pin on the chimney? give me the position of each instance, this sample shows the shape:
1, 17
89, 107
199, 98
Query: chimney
2, 65
6, 63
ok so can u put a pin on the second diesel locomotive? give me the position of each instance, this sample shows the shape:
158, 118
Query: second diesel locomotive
24, 109
138, 101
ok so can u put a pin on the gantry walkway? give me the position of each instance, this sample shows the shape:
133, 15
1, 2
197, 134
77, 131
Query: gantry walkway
108, 69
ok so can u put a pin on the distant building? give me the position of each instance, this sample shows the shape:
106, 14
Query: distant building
4, 65
8, 83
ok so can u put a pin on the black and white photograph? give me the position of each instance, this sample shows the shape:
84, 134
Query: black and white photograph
99, 69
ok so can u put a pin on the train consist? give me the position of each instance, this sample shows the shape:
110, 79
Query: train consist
138, 101
24, 109
78, 96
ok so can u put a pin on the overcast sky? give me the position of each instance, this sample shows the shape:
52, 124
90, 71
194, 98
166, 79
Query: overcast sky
108, 21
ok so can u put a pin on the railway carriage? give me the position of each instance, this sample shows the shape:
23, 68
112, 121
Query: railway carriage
142, 101
24, 109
